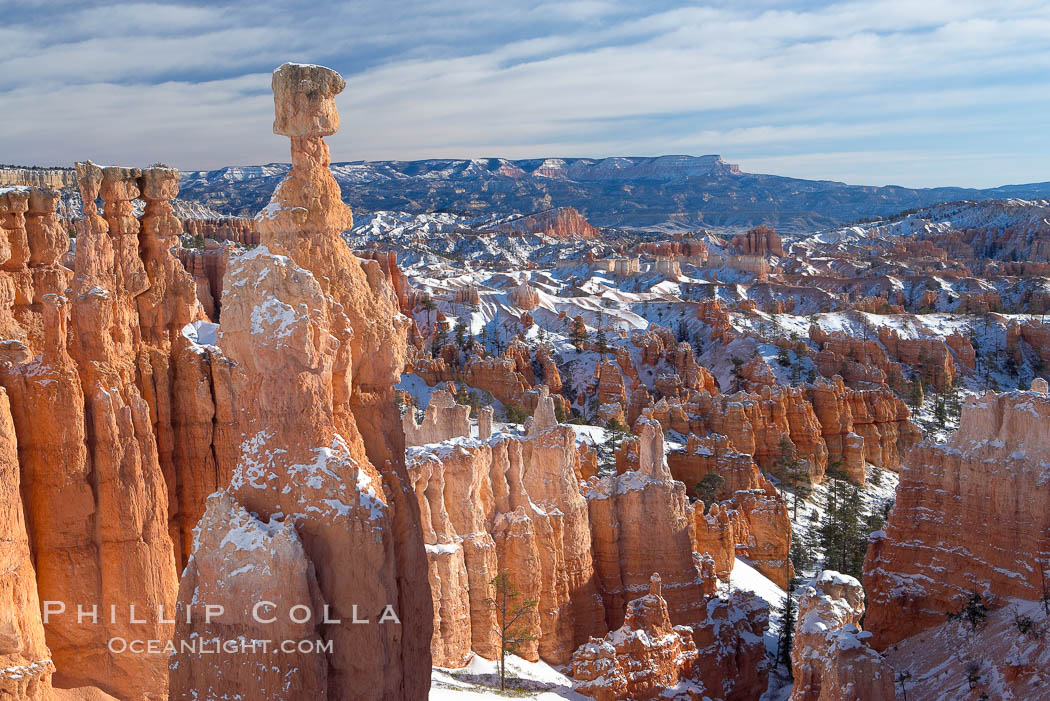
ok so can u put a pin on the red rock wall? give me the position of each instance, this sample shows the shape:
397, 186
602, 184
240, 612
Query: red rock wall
207, 266
863, 425
560, 222
760, 241
829, 658
755, 424
508, 506
641, 522
640, 660
25, 661
240, 230
970, 515
388, 263
96, 416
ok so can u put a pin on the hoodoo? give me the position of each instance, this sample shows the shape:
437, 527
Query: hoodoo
830, 658
643, 659
319, 343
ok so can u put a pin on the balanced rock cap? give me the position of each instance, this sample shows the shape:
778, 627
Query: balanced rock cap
304, 100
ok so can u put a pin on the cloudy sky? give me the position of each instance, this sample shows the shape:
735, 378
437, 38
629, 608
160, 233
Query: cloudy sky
909, 92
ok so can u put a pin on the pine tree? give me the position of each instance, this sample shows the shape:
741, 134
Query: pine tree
793, 473
514, 414
681, 331
461, 334
940, 413
801, 553
902, 678
559, 413
469, 345
917, 393
615, 432
511, 610
800, 485
738, 364
428, 305
708, 487
843, 532
1044, 590
954, 406
440, 338
600, 340
786, 639
497, 341
835, 471
974, 612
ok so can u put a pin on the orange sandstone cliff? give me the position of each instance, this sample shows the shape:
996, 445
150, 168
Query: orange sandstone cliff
645, 658
830, 659
511, 505
90, 362
319, 343
970, 515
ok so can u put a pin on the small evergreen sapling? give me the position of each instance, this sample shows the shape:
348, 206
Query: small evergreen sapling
511, 610
786, 639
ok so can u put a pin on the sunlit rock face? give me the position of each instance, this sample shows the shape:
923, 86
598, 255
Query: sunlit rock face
642, 659
89, 361
318, 343
442, 420
970, 516
830, 658
25, 661
508, 504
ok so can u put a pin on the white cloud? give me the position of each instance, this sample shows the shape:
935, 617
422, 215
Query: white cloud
764, 85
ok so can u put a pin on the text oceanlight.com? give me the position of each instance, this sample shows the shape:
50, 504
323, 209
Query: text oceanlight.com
196, 645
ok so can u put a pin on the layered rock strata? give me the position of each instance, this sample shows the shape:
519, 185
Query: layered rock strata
830, 659
641, 523
970, 515
645, 658
524, 296
757, 424
91, 357
561, 223
25, 661
514, 505
319, 343
207, 266
862, 426
510, 378
750, 518
242, 230
760, 241
507, 505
